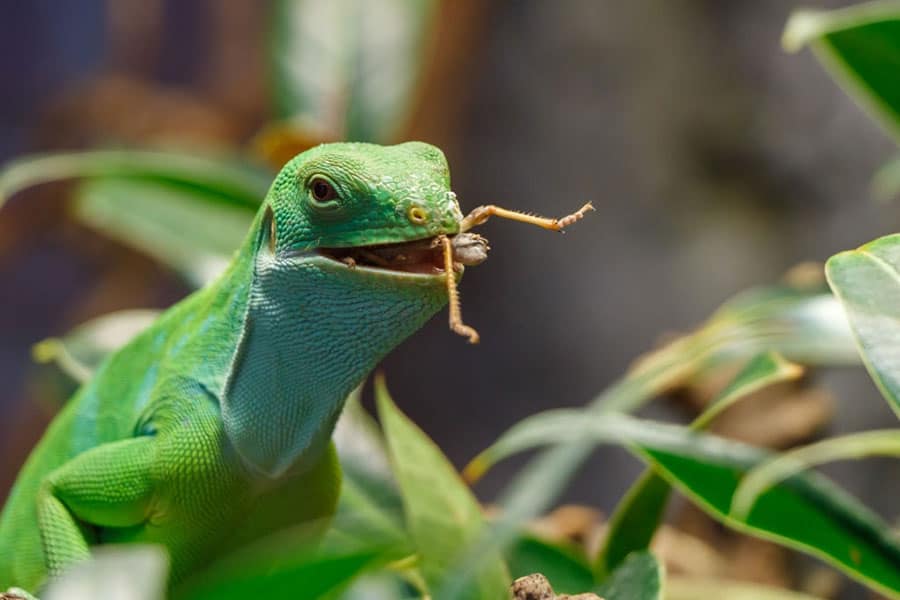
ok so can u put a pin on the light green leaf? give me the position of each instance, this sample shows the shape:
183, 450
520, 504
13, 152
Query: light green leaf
867, 282
370, 507
860, 47
79, 352
363, 451
348, 68
760, 372
640, 577
805, 512
229, 180
442, 515
133, 572
684, 588
188, 229
885, 442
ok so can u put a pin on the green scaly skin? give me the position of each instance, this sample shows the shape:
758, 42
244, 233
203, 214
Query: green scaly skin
212, 428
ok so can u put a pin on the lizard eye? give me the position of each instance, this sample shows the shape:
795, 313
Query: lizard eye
322, 190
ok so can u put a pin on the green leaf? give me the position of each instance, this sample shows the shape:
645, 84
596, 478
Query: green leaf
684, 588
885, 442
804, 323
565, 567
361, 521
640, 577
296, 577
442, 515
79, 352
634, 522
363, 453
229, 180
134, 572
348, 68
370, 507
640, 512
805, 512
867, 282
860, 47
187, 229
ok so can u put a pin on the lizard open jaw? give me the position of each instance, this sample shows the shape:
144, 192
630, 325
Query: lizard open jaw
418, 257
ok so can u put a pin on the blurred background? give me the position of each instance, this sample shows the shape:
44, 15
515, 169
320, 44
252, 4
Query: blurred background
715, 161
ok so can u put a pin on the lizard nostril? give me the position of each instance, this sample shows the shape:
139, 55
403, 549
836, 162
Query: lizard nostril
417, 215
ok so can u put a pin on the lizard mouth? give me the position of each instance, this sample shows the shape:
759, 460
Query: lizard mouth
419, 257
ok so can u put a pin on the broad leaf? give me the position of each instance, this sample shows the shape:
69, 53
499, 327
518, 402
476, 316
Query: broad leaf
641, 510
640, 577
803, 322
860, 46
442, 515
227, 179
294, 576
370, 507
347, 69
190, 230
867, 282
806, 512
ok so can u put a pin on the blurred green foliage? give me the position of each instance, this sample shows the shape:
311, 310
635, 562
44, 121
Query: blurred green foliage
407, 525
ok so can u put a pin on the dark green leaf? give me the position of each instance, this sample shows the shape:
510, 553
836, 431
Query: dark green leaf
641, 511
303, 578
805, 512
565, 567
805, 323
860, 46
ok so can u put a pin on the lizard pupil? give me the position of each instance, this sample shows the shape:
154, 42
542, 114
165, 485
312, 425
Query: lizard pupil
322, 190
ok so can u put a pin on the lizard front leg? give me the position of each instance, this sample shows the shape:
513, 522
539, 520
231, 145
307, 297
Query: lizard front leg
107, 486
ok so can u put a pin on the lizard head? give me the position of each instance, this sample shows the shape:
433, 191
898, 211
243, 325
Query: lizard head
365, 208
343, 271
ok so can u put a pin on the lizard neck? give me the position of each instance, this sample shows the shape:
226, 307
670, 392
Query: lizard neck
310, 335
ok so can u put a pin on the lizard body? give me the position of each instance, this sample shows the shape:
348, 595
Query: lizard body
212, 428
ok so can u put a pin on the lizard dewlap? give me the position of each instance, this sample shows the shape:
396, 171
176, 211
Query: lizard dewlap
212, 428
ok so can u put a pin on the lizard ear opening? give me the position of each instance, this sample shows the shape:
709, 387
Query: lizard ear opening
268, 234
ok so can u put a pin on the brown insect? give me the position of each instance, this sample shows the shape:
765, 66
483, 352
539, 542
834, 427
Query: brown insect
465, 246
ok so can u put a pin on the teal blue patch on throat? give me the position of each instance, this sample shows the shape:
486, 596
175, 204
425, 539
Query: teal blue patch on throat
311, 335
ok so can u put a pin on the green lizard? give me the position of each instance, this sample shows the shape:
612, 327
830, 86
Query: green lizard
212, 427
